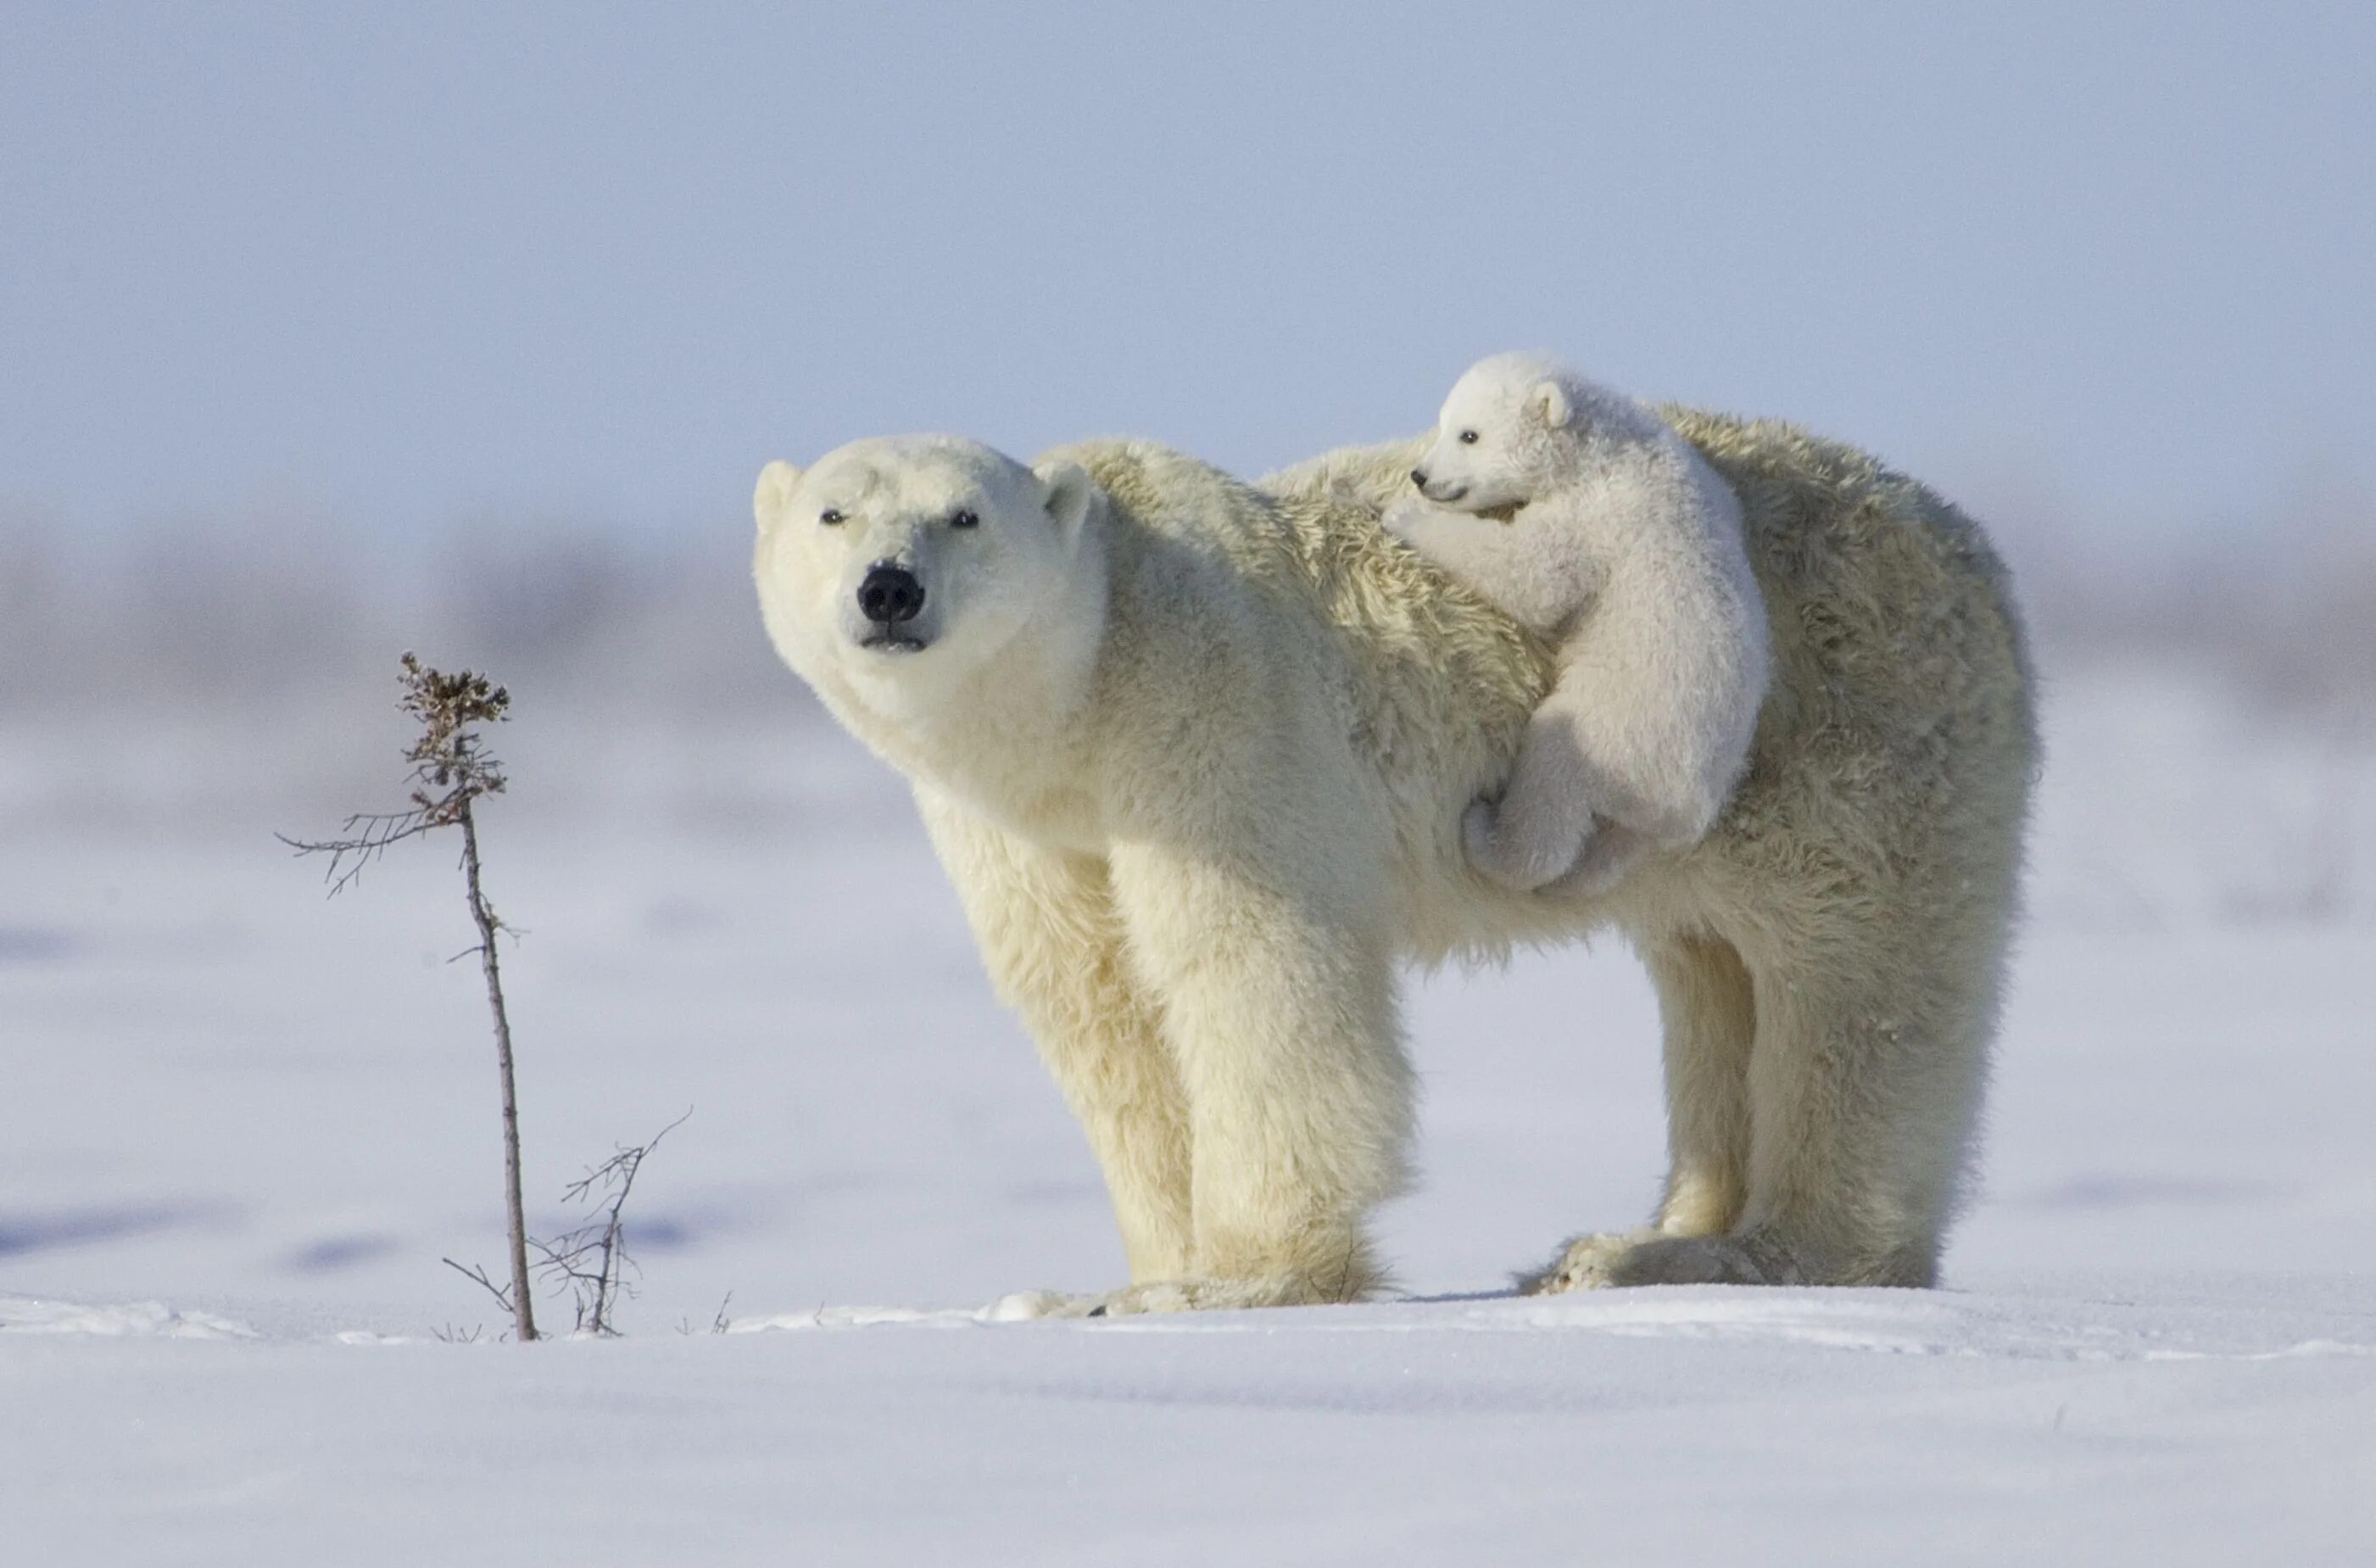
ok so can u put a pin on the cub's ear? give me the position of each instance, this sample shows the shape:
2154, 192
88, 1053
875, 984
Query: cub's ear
1070, 489
1548, 399
776, 483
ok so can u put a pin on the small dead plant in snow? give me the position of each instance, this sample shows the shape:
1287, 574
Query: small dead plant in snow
451, 770
593, 1259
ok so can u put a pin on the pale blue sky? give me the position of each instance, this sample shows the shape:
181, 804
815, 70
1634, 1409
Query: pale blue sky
417, 263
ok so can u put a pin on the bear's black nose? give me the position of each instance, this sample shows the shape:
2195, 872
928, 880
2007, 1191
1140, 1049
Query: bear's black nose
889, 595
1419, 478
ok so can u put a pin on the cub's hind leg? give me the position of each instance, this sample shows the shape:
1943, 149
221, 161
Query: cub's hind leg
1533, 835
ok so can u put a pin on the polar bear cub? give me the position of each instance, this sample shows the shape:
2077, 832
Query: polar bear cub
1584, 515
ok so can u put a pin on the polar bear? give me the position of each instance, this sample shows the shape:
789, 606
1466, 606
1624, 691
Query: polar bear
1585, 515
1194, 754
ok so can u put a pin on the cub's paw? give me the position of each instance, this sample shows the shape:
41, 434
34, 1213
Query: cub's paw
1508, 853
1404, 517
1610, 854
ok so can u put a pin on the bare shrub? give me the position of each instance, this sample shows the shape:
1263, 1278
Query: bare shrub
451, 771
593, 1259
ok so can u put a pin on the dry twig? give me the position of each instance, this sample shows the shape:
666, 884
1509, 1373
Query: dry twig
593, 1259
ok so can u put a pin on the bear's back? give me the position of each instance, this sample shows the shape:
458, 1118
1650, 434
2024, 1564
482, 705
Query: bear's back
1901, 717
1899, 724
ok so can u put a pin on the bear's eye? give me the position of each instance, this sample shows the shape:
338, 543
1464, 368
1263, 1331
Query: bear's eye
830, 516
1468, 438
964, 520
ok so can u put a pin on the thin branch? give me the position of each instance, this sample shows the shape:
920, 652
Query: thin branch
350, 855
622, 1165
593, 1259
503, 1297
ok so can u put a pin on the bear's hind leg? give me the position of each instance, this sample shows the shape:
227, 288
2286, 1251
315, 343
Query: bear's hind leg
1709, 1020
1708, 1016
1864, 1083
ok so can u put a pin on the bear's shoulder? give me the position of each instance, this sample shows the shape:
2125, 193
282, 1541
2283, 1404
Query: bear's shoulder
1155, 487
1161, 499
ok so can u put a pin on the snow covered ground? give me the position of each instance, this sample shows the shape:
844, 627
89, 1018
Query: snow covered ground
240, 1125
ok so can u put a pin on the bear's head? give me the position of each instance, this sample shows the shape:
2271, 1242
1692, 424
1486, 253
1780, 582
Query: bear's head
898, 566
1504, 436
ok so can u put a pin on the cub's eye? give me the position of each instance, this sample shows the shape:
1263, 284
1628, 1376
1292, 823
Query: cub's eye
1468, 438
830, 516
964, 521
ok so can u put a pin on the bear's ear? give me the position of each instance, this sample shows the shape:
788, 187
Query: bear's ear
1070, 489
1548, 399
776, 483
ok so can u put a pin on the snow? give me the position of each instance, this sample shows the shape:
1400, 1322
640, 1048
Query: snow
25, 1314
242, 1124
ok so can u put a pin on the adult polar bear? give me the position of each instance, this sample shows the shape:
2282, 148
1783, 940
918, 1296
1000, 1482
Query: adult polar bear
1194, 754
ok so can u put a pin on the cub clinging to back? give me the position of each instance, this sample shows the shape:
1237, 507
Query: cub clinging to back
1583, 514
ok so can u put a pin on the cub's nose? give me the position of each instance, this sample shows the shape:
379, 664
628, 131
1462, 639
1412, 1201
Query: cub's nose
1419, 478
889, 594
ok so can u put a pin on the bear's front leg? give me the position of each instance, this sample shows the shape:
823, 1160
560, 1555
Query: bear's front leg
1052, 941
1277, 1000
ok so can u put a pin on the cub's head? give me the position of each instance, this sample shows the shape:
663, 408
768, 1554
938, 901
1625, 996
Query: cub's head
899, 566
1503, 436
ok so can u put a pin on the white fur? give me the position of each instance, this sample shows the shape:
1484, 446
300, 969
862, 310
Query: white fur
1157, 887
1583, 514
1195, 756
